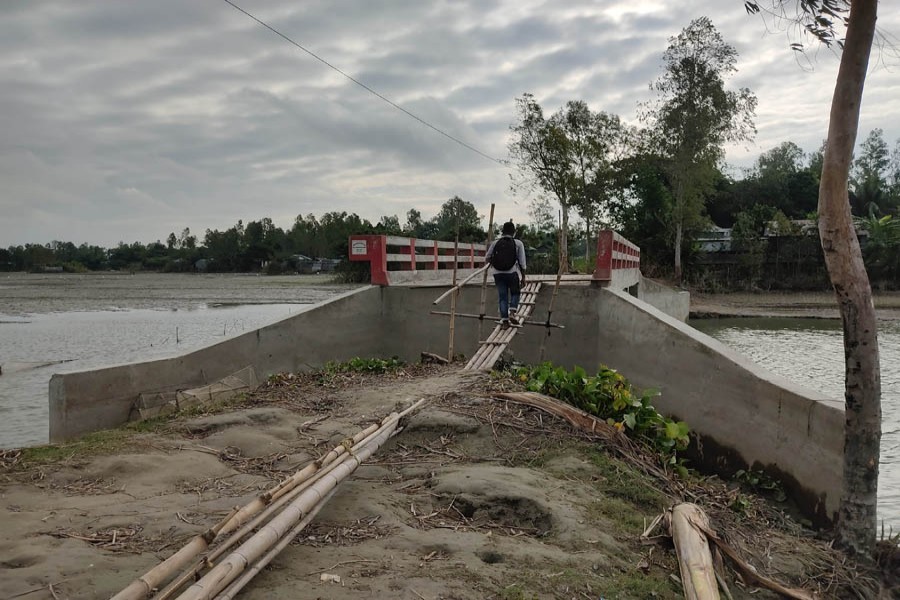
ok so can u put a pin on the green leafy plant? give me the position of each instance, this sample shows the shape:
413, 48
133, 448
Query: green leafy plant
365, 365
610, 396
758, 481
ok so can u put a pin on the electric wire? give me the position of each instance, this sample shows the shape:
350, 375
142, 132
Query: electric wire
366, 87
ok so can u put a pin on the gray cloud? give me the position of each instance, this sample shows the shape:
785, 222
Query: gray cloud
128, 120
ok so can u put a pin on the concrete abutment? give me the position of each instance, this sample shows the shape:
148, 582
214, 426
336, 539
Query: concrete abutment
743, 415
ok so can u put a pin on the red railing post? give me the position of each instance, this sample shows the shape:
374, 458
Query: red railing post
372, 248
412, 254
603, 270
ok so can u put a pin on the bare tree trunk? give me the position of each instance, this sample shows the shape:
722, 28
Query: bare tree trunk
679, 233
857, 519
564, 240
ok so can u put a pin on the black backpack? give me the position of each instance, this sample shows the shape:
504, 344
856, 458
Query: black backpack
505, 255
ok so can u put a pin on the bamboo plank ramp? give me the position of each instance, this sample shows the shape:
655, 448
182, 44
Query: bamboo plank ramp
493, 347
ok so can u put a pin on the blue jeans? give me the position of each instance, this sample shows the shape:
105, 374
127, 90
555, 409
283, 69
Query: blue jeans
508, 291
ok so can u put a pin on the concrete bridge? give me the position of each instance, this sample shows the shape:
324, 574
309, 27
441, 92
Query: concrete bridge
742, 415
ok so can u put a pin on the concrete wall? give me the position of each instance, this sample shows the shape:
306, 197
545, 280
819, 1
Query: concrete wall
744, 415
346, 326
675, 303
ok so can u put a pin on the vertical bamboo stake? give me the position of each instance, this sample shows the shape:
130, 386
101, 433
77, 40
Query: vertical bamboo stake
456, 292
562, 261
490, 236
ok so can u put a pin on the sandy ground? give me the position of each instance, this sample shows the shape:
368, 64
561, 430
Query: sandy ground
476, 498
787, 304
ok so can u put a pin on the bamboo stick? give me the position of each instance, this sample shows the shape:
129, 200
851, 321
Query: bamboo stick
474, 316
144, 585
490, 238
230, 568
455, 289
559, 273
244, 579
695, 563
458, 286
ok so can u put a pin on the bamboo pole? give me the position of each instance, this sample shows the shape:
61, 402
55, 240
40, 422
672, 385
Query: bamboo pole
454, 289
210, 559
461, 283
245, 578
331, 460
235, 563
144, 585
490, 238
474, 316
559, 273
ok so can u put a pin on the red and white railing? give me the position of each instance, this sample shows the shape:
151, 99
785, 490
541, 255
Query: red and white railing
618, 261
397, 260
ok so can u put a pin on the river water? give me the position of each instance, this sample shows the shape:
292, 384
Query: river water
810, 352
61, 322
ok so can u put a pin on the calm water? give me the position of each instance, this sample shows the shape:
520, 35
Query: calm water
811, 352
56, 323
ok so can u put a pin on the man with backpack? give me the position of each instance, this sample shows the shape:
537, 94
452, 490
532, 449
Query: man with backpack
506, 255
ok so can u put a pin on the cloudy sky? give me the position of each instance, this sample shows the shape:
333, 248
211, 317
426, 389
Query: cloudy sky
126, 120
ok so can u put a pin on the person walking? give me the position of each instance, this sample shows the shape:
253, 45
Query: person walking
506, 255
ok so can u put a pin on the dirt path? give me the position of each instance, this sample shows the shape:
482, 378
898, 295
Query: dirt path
475, 499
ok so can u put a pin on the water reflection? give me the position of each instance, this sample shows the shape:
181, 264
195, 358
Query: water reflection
811, 352
73, 341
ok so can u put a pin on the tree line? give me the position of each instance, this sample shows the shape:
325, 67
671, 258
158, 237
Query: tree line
664, 184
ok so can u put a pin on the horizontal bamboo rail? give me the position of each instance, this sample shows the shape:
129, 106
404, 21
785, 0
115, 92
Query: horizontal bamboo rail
483, 317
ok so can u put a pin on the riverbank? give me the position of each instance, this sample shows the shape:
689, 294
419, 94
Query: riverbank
476, 498
815, 305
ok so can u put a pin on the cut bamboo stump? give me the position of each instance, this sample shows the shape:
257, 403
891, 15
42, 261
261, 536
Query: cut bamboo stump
695, 562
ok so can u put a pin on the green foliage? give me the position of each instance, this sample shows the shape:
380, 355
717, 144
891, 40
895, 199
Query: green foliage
610, 396
758, 481
364, 365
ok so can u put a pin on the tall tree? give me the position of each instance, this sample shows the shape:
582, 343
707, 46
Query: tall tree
540, 150
693, 119
857, 516
869, 175
569, 156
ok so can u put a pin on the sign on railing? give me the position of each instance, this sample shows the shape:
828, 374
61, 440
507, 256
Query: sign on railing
395, 259
617, 259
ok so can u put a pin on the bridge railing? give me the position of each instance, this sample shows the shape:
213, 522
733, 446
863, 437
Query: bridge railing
398, 260
618, 261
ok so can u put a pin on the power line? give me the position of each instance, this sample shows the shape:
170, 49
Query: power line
364, 86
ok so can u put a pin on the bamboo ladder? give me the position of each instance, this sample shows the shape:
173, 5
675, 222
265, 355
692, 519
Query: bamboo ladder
491, 349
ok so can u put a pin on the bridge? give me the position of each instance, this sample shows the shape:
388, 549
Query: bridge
395, 260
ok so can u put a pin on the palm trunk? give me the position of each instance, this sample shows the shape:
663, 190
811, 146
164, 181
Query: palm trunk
857, 519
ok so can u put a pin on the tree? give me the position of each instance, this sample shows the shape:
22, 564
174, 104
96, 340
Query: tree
595, 142
870, 174
694, 118
540, 150
569, 156
457, 215
857, 516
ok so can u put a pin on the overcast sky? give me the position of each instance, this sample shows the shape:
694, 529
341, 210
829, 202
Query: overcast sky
126, 120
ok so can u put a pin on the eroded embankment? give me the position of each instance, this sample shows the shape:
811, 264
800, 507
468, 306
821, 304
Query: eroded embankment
476, 498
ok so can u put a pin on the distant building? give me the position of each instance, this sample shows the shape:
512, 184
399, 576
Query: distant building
717, 239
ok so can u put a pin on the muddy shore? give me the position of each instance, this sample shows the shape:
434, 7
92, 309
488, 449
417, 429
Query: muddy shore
821, 305
476, 499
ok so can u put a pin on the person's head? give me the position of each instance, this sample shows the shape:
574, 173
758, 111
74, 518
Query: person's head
509, 228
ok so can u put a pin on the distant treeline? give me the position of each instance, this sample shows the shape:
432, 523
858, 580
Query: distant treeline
254, 246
